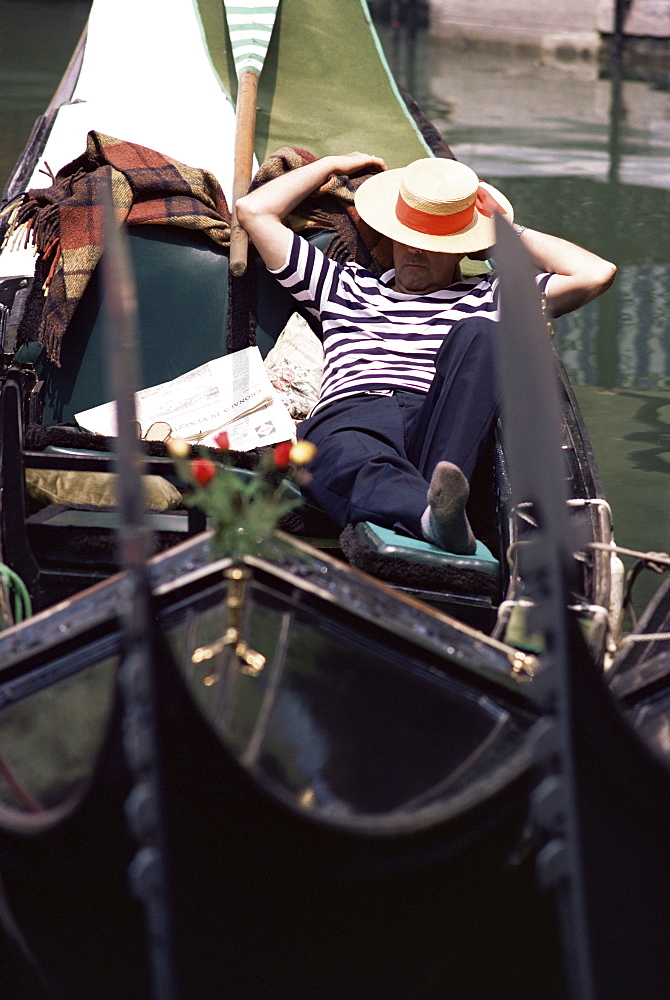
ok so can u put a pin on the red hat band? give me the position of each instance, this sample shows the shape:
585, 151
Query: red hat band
432, 224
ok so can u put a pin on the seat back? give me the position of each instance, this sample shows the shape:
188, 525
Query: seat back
182, 292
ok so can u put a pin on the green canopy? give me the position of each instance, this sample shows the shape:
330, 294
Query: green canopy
325, 85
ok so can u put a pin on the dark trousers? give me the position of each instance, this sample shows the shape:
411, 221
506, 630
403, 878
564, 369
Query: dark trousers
376, 454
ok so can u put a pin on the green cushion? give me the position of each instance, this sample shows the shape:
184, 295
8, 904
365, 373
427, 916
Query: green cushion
182, 296
388, 542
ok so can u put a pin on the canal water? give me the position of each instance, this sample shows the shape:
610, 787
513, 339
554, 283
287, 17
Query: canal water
581, 150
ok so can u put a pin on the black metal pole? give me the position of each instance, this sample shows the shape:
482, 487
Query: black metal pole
148, 869
620, 11
532, 421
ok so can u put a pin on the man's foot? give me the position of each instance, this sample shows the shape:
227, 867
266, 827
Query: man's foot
444, 521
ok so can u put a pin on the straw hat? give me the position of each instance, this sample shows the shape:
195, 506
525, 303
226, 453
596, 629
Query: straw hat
433, 204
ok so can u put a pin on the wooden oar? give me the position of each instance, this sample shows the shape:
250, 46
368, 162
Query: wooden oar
250, 24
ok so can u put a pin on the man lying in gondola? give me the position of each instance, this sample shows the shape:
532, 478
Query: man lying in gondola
409, 396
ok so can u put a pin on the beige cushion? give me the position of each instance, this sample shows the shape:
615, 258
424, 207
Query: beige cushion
46, 486
295, 366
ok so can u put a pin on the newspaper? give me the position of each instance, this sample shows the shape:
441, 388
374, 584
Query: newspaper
233, 393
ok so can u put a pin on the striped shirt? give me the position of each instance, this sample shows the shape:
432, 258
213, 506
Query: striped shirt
375, 338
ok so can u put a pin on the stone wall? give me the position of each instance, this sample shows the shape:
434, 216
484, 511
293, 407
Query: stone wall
644, 19
567, 26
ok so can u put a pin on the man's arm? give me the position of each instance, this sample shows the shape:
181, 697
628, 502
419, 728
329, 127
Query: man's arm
578, 276
262, 211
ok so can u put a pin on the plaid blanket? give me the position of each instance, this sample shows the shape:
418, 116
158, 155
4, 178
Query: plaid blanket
331, 208
65, 221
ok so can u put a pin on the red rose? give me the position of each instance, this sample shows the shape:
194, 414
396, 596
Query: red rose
222, 441
282, 454
203, 470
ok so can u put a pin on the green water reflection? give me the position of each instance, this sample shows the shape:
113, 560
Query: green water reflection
580, 151
583, 152
37, 38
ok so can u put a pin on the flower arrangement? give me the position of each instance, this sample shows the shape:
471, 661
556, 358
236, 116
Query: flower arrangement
243, 509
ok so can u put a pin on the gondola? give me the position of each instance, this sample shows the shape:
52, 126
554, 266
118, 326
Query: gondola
192, 310
363, 816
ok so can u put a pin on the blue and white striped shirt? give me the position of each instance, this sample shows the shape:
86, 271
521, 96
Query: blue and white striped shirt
374, 337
